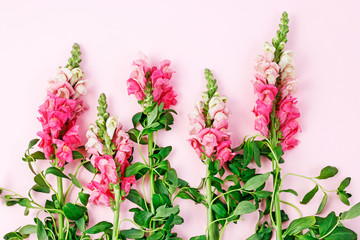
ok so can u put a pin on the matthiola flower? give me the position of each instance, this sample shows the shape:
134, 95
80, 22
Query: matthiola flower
276, 92
209, 123
151, 82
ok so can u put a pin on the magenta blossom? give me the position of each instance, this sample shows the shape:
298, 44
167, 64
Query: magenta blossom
100, 193
150, 81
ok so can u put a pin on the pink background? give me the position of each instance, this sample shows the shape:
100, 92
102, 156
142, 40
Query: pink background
36, 38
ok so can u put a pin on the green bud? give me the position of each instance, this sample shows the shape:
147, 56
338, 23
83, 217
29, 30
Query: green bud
75, 59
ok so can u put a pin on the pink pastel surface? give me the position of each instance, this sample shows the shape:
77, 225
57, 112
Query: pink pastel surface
225, 36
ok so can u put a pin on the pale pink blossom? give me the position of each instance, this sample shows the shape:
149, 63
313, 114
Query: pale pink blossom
93, 145
120, 135
80, 88
61, 89
197, 121
217, 104
209, 138
111, 125
220, 120
77, 74
63, 75
266, 67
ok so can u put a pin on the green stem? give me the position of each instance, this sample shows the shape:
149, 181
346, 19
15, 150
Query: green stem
151, 177
276, 179
115, 233
213, 229
61, 202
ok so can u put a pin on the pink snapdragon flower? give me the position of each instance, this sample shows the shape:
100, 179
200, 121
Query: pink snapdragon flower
63, 153
106, 166
126, 184
209, 129
58, 115
111, 167
276, 91
100, 194
146, 81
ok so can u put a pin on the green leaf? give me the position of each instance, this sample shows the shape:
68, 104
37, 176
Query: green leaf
160, 187
202, 237
299, 224
41, 233
263, 194
248, 152
88, 166
136, 118
134, 168
244, 207
143, 218
219, 210
38, 155
84, 198
80, 223
327, 172
77, 155
132, 233
57, 172
344, 198
344, 184
24, 202
171, 177
310, 195
155, 236
322, 204
152, 116
40, 180
292, 191
256, 154
73, 212
43, 189
75, 181
135, 197
342, 233
255, 182
28, 229
164, 212
304, 237
234, 169
352, 213
165, 152
99, 227
160, 200
33, 142
328, 224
